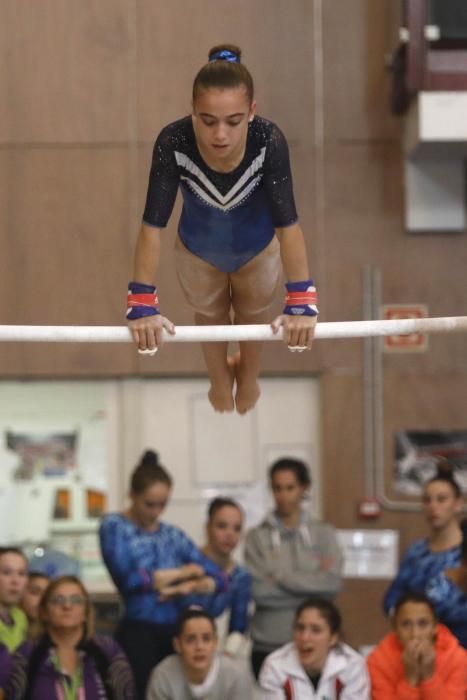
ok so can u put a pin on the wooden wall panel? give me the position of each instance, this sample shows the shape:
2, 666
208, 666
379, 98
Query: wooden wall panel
358, 38
66, 72
273, 34
64, 235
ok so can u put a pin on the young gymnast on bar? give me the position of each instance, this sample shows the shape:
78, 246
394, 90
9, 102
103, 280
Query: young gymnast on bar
237, 226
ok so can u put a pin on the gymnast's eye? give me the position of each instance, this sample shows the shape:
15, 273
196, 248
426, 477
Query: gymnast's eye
208, 121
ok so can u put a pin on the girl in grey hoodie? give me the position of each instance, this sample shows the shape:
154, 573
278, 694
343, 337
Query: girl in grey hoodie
291, 557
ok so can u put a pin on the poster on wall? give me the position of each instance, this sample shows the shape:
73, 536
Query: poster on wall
54, 470
417, 452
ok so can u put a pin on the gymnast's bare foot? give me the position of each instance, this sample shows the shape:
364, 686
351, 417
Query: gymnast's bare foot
220, 393
248, 391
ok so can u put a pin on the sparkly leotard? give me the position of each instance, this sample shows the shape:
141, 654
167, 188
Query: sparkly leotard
227, 218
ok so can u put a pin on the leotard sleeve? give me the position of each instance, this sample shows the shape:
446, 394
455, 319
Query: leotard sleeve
278, 180
163, 181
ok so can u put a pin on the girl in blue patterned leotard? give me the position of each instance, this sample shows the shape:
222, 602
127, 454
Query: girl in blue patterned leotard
154, 566
238, 225
442, 503
224, 530
448, 593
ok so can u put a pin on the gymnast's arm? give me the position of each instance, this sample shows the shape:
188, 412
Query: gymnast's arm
298, 330
160, 199
129, 577
147, 330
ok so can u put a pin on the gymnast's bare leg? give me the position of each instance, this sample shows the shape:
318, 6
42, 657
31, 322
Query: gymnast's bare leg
252, 289
207, 290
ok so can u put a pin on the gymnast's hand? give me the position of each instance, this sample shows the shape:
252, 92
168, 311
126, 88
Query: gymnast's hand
147, 332
298, 330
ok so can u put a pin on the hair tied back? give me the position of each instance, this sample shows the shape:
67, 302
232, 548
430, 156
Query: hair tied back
224, 55
444, 468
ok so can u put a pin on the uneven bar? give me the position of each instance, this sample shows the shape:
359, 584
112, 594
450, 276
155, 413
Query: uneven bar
195, 334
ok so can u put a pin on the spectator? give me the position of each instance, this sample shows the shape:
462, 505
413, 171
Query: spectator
153, 565
442, 503
290, 556
197, 671
35, 587
316, 664
419, 660
68, 660
5, 664
448, 594
13, 577
224, 529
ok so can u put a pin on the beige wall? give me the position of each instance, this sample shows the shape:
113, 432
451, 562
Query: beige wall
87, 86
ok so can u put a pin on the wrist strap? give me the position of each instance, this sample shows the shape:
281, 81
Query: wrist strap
142, 300
301, 299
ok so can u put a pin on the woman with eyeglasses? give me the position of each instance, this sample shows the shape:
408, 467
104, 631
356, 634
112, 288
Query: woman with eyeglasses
68, 661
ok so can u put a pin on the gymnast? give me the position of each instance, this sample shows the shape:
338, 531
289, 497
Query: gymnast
238, 227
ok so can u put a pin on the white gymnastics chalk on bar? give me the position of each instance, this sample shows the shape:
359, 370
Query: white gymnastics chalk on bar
194, 334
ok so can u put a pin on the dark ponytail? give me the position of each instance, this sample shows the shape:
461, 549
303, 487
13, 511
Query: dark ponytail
148, 472
445, 474
224, 70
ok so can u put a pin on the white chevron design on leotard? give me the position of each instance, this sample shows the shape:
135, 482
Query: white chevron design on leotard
215, 198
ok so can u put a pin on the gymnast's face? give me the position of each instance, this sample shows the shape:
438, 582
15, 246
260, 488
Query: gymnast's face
288, 492
32, 595
220, 122
313, 639
224, 529
147, 506
13, 578
440, 504
196, 646
414, 621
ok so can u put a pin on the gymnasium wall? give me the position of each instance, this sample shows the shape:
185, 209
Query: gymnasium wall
87, 86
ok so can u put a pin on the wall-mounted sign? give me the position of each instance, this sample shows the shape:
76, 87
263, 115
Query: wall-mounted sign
412, 342
369, 553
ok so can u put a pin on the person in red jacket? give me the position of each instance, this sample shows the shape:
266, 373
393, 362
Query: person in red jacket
420, 659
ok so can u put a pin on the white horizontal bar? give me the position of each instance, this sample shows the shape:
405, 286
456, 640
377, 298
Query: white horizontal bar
188, 334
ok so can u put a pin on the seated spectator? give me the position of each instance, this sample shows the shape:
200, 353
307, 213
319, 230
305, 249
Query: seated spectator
291, 556
224, 529
448, 594
442, 503
13, 578
5, 664
35, 587
316, 664
68, 660
419, 659
196, 671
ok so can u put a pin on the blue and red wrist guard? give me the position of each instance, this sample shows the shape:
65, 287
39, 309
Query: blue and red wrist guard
142, 301
301, 299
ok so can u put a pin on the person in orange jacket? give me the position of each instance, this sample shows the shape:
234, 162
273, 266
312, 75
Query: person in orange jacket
420, 659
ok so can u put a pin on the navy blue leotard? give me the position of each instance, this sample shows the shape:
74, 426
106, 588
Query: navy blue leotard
227, 218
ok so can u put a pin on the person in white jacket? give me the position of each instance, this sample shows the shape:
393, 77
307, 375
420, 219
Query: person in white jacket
316, 664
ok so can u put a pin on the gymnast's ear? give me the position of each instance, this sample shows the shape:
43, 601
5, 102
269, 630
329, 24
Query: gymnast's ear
252, 111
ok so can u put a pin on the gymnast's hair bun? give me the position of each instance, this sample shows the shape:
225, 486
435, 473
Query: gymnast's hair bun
444, 469
150, 458
228, 48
